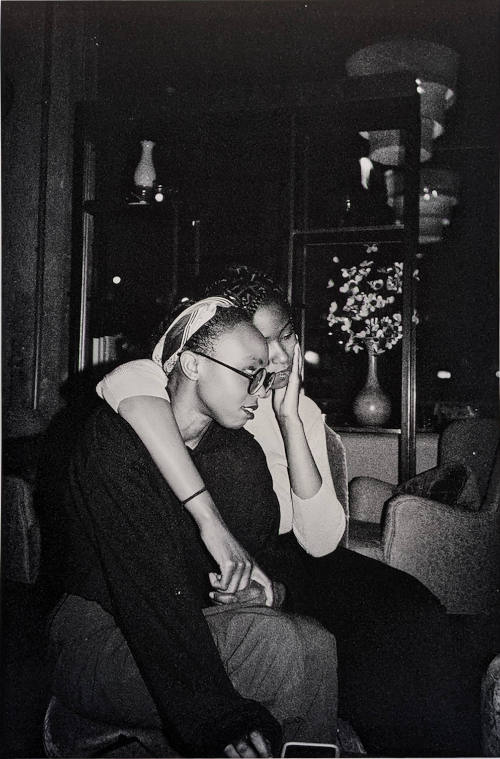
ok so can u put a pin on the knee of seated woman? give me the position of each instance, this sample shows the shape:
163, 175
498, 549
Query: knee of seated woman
319, 647
288, 635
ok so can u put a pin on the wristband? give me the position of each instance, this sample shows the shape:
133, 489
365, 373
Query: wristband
198, 492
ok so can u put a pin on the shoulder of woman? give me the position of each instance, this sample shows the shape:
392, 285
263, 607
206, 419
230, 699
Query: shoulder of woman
308, 409
311, 416
106, 434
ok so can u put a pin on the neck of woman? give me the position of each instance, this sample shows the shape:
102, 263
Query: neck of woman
191, 421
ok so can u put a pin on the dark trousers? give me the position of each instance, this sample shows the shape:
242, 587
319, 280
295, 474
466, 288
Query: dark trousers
409, 673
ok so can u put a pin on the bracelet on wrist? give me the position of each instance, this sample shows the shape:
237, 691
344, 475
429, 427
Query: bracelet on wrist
198, 492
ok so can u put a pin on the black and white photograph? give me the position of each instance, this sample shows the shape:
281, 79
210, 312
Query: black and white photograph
250, 378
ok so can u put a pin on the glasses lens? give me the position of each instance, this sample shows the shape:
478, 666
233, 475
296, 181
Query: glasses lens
257, 381
269, 380
262, 378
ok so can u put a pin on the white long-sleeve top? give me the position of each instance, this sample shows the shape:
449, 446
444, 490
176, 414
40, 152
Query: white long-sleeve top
317, 522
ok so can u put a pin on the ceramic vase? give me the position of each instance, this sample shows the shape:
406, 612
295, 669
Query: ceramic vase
145, 174
372, 407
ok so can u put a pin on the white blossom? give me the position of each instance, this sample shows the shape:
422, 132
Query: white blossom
369, 292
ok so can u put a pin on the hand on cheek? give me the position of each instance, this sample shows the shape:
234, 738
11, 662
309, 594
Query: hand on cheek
286, 399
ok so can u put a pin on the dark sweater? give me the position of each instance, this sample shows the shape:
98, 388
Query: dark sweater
136, 551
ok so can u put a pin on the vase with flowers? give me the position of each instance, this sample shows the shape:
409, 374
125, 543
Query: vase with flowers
365, 312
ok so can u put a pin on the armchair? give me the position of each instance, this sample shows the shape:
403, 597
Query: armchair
453, 551
490, 709
338, 467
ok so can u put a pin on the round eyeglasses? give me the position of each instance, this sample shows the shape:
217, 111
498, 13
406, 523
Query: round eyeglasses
261, 380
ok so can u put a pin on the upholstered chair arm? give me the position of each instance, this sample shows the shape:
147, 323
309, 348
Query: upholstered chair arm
338, 467
434, 543
490, 709
367, 497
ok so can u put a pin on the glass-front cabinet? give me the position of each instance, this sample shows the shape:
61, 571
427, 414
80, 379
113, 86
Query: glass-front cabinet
223, 171
352, 259
282, 181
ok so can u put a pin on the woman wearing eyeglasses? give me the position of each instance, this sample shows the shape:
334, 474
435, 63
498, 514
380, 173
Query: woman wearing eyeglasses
408, 682
137, 642
309, 506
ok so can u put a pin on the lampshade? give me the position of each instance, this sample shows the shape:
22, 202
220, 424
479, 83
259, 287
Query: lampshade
435, 69
437, 196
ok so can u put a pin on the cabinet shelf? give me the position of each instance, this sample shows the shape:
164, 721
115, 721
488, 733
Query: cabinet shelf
322, 236
366, 430
122, 208
376, 430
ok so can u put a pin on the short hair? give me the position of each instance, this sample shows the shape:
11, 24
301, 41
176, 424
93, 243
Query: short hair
224, 320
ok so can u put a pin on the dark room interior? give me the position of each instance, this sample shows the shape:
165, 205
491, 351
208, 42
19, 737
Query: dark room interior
256, 153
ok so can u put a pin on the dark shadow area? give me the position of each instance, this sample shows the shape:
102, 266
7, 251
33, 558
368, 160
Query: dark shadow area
42, 460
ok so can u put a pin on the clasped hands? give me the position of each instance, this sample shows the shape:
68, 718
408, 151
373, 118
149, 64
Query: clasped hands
254, 594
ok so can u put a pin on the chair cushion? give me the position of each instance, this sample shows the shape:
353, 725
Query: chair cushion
366, 538
453, 484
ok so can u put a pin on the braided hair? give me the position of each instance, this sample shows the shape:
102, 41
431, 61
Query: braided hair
245, 286
248, 288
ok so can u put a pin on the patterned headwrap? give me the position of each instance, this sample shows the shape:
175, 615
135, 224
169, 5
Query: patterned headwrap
184, 325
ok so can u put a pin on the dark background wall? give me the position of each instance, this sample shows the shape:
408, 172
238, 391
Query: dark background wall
140, 56
47, 60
